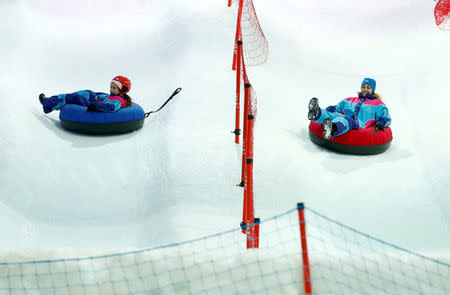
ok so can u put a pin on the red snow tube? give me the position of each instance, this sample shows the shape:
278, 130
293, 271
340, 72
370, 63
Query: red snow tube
358, 142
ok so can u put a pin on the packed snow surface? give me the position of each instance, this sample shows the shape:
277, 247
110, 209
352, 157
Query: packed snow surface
175, 179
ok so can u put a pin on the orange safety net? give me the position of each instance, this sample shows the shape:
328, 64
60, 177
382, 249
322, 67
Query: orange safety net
442, 14
255, 44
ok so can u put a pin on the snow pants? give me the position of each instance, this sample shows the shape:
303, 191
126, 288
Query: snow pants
343, 123
82, 98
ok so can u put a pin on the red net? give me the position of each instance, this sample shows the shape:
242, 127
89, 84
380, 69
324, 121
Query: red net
255, 46
441, 13
254, 42
252, 99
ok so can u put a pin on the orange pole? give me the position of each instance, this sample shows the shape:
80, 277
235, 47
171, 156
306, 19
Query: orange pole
249, 169
253, 234
306, 273
244, 178
245, 128
257, 222
250, 235
238, 33
237, 131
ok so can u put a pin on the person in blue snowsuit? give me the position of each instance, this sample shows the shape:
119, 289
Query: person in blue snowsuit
351, 113
94, 101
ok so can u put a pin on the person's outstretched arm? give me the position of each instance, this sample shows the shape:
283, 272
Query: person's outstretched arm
382, 117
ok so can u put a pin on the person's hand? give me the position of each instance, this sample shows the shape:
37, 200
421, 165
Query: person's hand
379, 126
91, 107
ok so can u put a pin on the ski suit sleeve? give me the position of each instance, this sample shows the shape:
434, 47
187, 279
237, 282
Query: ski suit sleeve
103, 104
337, 108
101, 107
382, 115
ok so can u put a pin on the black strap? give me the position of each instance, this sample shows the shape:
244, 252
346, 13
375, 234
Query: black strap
173, 94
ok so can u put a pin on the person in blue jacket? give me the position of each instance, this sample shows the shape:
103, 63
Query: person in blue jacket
94, 101
351, 113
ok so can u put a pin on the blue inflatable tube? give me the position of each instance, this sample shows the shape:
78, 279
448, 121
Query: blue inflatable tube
76, 118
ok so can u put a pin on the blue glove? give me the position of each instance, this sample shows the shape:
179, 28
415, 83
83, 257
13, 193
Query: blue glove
100, 107
91, 108
379, 126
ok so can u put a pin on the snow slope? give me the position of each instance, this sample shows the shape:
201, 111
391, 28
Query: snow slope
175, 179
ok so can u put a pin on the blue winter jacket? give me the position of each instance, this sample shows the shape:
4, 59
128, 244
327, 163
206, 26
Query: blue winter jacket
367, 111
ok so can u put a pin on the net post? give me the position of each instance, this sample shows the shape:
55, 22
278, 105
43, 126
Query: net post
248, 213
244, 227
253, 234
306, 271
238, 91
245, 128
250, 235
257, 222
249, 168
238, 33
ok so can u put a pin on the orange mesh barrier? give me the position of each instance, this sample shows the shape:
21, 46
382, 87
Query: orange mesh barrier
441, 14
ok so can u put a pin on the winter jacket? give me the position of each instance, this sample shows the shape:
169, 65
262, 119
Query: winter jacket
367, 111
104, 102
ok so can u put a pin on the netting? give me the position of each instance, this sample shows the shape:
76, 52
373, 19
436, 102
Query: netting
252, 107
346, 261
342, 261
255, 45
442, 14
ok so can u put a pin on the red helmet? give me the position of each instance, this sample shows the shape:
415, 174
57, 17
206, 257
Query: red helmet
123, 83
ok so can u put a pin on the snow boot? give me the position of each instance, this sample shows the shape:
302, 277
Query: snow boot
328, 128
41, 98
313, 108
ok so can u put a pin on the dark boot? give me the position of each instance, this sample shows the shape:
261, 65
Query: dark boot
50, 103
41, 98
328, 128
313, 108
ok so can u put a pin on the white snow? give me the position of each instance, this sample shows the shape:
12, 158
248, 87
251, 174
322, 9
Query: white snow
176, 178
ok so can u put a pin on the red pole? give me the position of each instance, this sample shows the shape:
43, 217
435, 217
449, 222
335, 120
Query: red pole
237, 131
244, 177
245, 127
306, 273
229, 3
257, 222
238, 33
254, 242
249, 168
253, 234
244, 209
250, 235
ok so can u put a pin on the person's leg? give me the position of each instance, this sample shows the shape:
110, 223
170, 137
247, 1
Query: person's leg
56, 102
338, 126
316, 114
344, 124
81, 98
323, 114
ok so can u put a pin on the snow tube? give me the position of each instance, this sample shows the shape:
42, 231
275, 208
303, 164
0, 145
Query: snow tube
76, 118
366, 141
